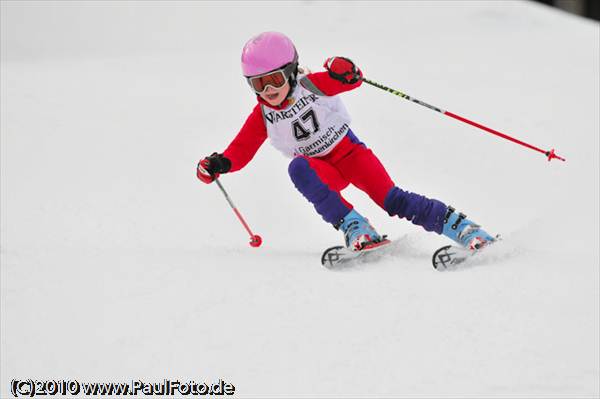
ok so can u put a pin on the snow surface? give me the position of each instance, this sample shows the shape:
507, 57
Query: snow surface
117, 264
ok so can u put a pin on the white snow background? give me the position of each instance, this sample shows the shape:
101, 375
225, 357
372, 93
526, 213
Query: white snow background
117, 264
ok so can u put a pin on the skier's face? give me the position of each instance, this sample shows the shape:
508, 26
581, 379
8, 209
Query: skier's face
275, 96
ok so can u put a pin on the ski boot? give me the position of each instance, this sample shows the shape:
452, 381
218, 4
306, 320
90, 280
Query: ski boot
358, 232
468, 234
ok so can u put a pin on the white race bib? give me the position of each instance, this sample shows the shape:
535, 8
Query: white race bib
312, 125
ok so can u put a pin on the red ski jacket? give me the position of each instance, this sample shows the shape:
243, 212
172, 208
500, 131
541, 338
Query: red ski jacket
254, 132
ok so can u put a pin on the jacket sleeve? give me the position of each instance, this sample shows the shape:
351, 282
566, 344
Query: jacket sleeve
247, 142
330, 86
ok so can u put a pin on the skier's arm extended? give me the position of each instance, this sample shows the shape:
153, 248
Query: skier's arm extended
241, 150
341, 76
247, 142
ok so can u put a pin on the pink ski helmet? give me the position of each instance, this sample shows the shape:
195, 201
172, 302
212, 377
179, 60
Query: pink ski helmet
266, 52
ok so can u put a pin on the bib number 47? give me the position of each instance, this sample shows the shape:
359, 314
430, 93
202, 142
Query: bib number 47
300, 132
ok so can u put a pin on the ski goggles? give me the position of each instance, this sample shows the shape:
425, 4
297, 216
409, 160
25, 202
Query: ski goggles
276, 79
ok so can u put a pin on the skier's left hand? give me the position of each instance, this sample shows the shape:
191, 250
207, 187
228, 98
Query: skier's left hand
343, 69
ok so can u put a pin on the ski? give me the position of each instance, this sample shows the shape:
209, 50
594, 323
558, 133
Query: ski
450, 256
339, 255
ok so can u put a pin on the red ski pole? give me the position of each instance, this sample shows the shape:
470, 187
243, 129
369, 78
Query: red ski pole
549, 154
255, 239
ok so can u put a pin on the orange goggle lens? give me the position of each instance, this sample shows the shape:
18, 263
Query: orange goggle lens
276, 79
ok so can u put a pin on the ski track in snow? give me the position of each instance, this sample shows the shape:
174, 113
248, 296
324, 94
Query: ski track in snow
117, 264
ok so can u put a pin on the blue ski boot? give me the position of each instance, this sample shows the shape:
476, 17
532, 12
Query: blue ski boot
468, 234
357, 231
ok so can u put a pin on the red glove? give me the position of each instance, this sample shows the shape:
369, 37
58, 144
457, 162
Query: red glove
211, 167
343, 69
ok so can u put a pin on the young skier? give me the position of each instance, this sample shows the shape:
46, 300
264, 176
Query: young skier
304, 118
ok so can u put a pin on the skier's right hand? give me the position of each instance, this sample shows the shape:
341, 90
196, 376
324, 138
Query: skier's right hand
211, 167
